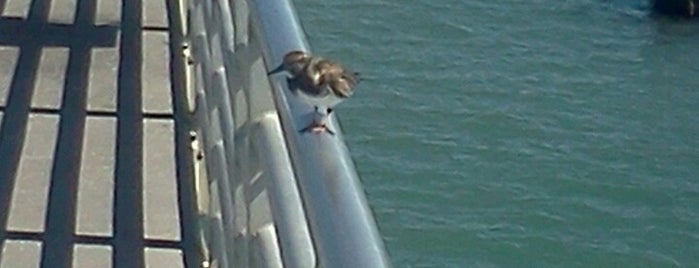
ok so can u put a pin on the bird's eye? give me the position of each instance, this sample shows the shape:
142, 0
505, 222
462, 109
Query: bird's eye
330, 110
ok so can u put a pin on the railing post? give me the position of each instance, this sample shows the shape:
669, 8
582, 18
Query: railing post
281, 198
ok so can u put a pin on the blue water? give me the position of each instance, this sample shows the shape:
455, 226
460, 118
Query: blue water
541, 133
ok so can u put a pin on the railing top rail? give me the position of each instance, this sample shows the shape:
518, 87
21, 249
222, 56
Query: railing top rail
343, 227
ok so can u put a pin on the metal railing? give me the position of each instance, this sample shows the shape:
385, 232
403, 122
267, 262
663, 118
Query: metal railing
270, 196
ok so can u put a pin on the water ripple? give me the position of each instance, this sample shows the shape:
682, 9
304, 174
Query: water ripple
522, 133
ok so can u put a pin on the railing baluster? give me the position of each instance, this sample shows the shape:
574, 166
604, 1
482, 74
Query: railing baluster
272, 181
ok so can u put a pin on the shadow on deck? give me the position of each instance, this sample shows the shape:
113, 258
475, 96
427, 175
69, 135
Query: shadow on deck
95, 164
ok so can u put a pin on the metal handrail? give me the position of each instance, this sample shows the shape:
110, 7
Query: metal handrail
342, 224
310, 210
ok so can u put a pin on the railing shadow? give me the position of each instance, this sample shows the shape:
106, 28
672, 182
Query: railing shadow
279, 198
25, 38
28, 36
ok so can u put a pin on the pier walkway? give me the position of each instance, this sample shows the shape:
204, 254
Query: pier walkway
147, 133
95, 165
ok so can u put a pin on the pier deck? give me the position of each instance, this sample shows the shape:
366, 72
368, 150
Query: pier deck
95, 164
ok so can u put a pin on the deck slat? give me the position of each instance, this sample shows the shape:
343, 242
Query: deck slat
17, 8
20, 254
160, 210
91, 256
154, 13
50, 79
102, 80
159, 257
108, 12
62, 11
96, 182
155, 73
8, 57
29, 198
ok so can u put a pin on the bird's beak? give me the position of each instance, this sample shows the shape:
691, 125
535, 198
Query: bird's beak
279, 69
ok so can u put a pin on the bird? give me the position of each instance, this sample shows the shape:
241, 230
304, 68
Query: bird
318, 76
320, 82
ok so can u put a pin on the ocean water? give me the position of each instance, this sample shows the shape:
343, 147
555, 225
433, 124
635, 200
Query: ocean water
540, 133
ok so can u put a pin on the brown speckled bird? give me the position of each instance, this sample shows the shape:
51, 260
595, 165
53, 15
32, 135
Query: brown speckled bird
317, 76
320, 82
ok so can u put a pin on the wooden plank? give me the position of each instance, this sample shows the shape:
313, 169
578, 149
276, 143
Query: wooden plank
17, 8
102, 80
160, 207
161, 257
21, 254
91, 256
8, 57
108, 12
155, 13
62, 11
96, 181
29, 198
155, 73
50, 78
